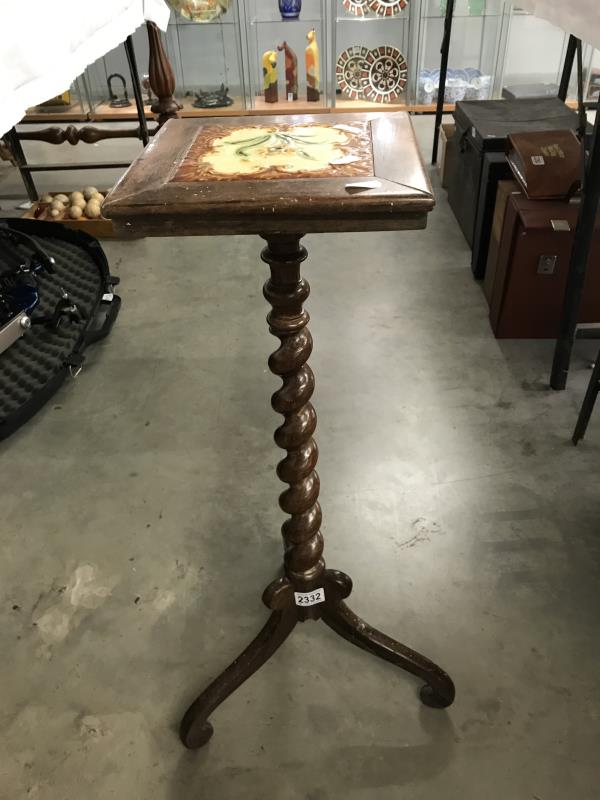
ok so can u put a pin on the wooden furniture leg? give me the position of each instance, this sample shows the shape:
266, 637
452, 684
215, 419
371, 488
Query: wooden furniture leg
304, 567
161, 77
195, 729
588, 403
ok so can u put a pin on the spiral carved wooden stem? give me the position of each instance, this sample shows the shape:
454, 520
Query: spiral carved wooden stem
286, 291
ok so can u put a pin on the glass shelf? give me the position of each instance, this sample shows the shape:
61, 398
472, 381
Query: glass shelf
286, 22
183, 23
363, 20
462, 16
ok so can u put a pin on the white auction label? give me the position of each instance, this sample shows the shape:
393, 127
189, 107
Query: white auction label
538, 161
309, 598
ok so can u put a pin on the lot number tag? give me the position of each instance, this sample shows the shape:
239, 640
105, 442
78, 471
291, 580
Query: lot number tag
309, 598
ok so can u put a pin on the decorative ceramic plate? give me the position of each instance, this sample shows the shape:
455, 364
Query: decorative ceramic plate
387, 8
357, 7
350, 68
385, 76
200, 10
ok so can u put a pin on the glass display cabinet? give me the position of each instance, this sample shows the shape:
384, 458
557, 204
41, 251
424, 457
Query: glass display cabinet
364, 55
116, 101
371, 54
74, 104
476, 49
207, 61
206, 58
534, 56
276, 44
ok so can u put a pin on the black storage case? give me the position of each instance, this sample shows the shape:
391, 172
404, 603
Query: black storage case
482, 126
34, 367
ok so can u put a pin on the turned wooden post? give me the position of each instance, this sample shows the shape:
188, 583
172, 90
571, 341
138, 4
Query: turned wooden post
161, 77
286, 291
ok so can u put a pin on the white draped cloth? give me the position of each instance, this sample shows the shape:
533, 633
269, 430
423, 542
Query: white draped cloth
47, 43
579, 17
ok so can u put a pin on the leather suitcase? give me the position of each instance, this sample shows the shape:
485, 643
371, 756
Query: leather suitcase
531, 273
548, 165
482, 126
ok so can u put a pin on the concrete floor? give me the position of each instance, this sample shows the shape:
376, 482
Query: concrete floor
140, 524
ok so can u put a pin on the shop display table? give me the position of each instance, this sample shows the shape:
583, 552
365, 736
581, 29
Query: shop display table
280, 178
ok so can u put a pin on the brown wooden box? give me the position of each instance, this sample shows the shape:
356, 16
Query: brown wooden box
101, 228
532, 268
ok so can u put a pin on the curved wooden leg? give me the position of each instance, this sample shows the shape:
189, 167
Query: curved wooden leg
438, 691
195, 729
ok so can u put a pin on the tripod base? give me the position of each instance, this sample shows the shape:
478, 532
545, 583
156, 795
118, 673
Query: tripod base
438, 691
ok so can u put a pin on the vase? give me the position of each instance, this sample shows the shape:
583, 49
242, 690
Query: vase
290, 9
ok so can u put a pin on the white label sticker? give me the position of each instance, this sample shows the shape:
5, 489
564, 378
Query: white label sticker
107, 297
290, 97
309, 598
537, 161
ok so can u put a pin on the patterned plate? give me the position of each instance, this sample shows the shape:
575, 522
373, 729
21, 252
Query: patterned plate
385, 76
350, 68
357, 7
387, 8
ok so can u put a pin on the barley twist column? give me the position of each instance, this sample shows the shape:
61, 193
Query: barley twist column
286, 291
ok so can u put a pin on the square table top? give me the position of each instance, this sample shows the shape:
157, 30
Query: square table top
279, 174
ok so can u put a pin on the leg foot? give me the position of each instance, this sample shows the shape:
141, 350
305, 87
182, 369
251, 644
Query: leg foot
195, 729
439, 689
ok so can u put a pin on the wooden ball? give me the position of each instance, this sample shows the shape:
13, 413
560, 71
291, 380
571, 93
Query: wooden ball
98, 196
55, 212
57, 204
92, 210
75, 212
78, 201
75, 196
62, 197
89, 192
46, 198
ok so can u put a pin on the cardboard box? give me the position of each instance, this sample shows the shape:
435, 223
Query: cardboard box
445, 161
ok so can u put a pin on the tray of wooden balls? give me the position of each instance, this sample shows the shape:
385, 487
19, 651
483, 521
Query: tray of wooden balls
81, 210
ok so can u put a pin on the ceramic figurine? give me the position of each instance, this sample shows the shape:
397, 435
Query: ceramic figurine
269, 67
291, 71
312, 67
290, 9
